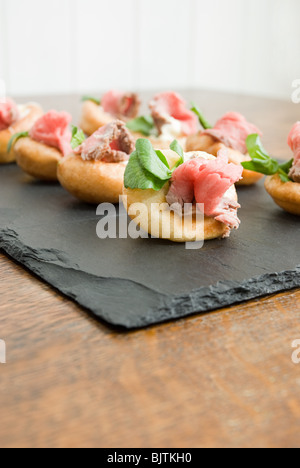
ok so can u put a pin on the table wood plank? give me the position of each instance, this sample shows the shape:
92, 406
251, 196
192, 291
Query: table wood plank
221, 379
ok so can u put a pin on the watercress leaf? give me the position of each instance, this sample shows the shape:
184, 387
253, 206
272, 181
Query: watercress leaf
150, 161
271, 166
90, 98
78, 137
163, 158
249, 165
262, 162
15, 138
203, 122
137, 177
267, 167
255, 147
285, 167
144, 125
175, 146
284, 177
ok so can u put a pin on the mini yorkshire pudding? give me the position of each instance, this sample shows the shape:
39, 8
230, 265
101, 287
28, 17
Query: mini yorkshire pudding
159, 221
196, 179
37, 160
94, 172
231, 133
284, 186
47, 143
93, 117
285, 194
170, 119
15, 119
113, 105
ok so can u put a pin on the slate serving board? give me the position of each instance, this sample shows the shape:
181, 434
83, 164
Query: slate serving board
135, 283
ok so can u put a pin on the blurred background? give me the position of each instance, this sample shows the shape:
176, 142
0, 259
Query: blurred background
88, 46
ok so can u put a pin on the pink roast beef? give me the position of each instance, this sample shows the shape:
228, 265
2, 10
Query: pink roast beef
112, 143
9, 113
232, 130
121, 105
53, 129
294, 143
170, 104
207, 181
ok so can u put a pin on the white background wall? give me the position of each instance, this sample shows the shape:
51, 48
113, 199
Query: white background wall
64, 46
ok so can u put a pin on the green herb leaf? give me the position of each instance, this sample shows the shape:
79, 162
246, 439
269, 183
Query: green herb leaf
255, 147
284, 177
261, 162
175, 146
147, 168
202, 120
78, 137
15, 138
267, 167
89, 98
137, 177
286, 167
163, 158
144, 125
154, 163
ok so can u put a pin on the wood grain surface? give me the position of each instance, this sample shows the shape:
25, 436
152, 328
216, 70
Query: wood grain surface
224, 379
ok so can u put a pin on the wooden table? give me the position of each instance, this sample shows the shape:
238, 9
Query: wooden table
224, 379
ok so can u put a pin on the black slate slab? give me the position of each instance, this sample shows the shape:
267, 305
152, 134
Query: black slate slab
135, 283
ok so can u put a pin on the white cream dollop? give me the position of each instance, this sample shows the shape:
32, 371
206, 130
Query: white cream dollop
24, 110
171, 130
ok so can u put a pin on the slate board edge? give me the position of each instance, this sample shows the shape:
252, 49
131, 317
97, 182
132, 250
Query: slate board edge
159, 308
